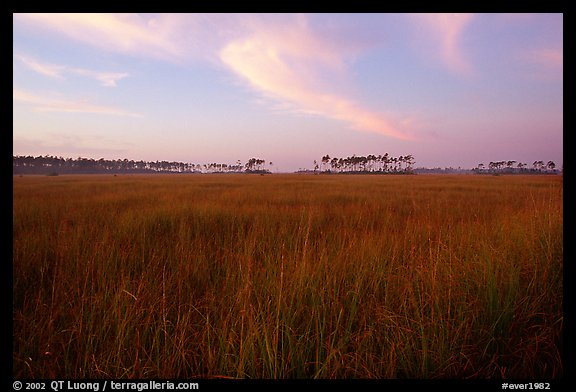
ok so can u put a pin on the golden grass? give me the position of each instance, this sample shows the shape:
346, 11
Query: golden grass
287, 276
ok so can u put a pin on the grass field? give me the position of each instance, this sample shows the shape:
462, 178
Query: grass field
287, 276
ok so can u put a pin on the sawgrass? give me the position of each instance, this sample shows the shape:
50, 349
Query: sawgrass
287, 276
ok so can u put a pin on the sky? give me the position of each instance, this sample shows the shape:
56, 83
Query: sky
453, 90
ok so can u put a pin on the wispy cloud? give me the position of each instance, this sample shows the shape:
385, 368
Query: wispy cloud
552, 58
107, 79
279, 56
57, 104
543, 64
50, 70
446, 30
146, 35
68, 144
287, 64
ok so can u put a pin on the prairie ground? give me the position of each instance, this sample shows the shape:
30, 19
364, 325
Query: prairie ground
287, 276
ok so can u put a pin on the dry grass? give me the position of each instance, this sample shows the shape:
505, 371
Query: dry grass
287, 276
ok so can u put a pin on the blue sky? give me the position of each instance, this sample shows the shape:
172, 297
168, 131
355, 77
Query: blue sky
450, 89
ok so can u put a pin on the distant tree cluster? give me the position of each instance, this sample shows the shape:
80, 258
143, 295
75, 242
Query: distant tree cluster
515, 167
440, 170
256, 165
365, 164
53, 165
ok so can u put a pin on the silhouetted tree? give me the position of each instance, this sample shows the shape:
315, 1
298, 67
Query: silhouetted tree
325, 160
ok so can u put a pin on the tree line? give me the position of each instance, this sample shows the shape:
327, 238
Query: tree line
365, 164
512, 166
354, 164
54, 165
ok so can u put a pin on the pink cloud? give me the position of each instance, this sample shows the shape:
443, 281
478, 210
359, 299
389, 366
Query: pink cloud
129, 33
50, 70
57, 104
107, 79
279, 56
552, 58
287, 64
446, 30
543, 64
